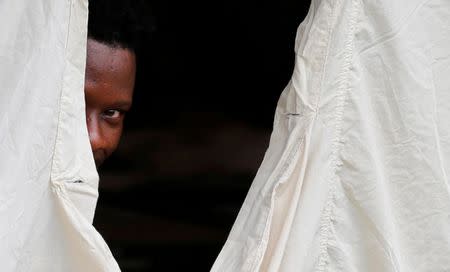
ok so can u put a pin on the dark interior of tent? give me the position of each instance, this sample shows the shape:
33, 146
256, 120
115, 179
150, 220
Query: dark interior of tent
209, 77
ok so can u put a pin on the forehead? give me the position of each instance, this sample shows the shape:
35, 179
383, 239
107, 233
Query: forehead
111, 67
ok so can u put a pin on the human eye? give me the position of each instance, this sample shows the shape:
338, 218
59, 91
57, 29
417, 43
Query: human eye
113, 113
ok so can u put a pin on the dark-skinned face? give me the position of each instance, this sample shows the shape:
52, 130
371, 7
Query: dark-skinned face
109, 84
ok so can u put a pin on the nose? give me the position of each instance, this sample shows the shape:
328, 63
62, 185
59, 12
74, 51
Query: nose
99, 144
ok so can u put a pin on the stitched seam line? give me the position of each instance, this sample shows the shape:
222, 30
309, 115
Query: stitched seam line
287, 166
331, 18
343, 89
53, 167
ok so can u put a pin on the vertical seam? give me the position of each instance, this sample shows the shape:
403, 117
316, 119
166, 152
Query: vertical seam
53, 167
295, 148
331, 18
344, 88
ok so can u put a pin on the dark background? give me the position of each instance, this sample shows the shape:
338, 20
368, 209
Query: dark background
208, 82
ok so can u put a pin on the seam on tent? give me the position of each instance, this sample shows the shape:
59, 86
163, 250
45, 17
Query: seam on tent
331, 18
343, 89
295, 147
69, 23
54, 167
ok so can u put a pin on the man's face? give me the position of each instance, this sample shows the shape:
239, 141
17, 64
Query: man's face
109, 84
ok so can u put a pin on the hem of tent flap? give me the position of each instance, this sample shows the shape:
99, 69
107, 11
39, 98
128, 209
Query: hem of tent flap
64, 99
344, 87
57, 183
54, 167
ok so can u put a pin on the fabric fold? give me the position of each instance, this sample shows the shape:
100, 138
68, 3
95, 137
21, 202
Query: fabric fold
367, 188
49, 180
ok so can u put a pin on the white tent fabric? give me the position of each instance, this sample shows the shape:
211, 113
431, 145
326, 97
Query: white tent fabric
356, 174
48, 178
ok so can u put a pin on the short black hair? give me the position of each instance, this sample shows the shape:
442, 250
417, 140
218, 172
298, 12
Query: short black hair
120, 23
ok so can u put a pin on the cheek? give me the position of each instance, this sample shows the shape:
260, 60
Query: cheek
111, 136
